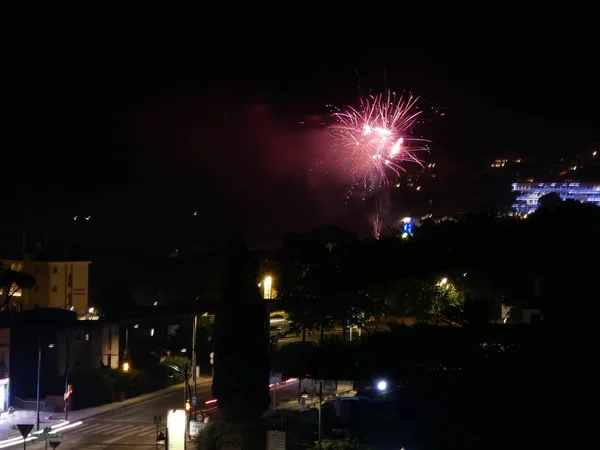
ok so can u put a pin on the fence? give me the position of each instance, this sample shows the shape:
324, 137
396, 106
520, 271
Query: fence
31, 405
301, 434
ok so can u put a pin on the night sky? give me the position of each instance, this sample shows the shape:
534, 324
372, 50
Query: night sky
141, 137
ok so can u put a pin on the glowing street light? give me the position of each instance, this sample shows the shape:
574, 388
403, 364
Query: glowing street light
268, 282
444, 281
382, 385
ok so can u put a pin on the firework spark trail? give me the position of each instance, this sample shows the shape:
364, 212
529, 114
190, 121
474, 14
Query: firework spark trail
375, 139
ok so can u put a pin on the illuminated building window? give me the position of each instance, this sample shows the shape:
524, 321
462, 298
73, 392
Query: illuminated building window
528, 194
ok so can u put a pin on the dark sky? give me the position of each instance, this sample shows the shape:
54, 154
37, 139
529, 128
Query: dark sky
140, 136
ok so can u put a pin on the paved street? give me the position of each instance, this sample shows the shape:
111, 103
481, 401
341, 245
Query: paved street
133, 427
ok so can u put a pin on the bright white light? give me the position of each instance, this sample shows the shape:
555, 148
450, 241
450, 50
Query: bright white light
176, 423
91, 310
267, 291
407, 220
444, 281
382, 385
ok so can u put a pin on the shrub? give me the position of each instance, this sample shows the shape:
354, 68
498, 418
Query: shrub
92, 388
252, 433
180, 362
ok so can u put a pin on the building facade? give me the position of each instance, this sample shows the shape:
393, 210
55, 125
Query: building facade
64, 343
4, 368
59, 284
91, 345
528, 194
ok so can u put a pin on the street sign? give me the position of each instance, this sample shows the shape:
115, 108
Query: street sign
157, 419
231, 443
330, 385
50, 437
199, 417
193, 401
196, 427
25, 429
275, 440
275, 379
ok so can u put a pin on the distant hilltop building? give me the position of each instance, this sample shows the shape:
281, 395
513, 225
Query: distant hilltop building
502, 162
528, 194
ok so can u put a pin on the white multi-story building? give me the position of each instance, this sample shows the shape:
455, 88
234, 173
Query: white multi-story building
528, 194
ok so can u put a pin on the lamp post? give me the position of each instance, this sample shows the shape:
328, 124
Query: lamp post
67, 393
194, 337
320, 394
67, 373
186, 390
39, 371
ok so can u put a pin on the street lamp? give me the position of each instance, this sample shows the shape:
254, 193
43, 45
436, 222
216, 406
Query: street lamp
268, 283
320, 394
382, 385
39, 371
39, 374
185, 378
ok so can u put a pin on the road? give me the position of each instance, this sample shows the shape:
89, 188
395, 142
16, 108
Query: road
133, 427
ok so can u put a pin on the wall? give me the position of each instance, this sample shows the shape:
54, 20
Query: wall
4, 368
105, 346
87, 347
4, 352
38, 296
80, 288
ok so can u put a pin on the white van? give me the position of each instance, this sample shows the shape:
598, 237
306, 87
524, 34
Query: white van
278, 327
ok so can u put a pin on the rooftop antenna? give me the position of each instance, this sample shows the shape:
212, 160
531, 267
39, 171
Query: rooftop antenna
360, 90
385, 88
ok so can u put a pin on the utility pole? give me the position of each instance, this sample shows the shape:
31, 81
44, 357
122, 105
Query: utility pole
320, 408
39, 372
194, 331
68, 371
185, 388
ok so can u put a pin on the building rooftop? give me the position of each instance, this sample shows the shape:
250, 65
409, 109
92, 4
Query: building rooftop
42, 257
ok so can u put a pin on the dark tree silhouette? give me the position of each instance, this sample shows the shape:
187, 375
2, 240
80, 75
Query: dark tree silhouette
549, 201
114, 298
324, 279
241, 361
11, 282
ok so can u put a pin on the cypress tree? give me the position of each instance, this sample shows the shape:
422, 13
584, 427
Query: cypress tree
241, 360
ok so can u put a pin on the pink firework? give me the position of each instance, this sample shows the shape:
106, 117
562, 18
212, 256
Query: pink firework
374, 140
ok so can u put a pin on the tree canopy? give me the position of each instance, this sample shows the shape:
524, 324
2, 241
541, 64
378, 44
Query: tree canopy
536, 262
11, 282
